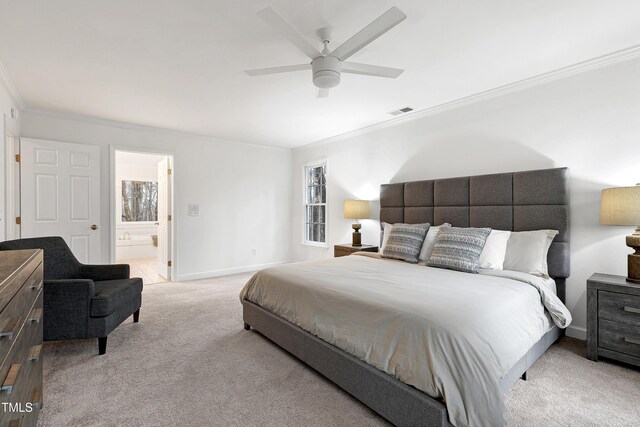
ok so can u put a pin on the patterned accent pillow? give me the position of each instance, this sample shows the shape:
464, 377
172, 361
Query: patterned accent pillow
405, 242
459, 248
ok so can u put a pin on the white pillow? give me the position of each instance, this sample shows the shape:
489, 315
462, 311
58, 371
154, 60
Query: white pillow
386, 230
430, 242
495, 249
527, 251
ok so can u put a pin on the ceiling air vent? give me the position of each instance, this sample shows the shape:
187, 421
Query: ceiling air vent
401, 111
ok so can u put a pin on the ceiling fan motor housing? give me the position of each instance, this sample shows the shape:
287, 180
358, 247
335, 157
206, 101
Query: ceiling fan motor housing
326, 71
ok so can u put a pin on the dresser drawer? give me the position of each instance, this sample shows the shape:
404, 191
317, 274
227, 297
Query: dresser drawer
619, 337
9, 288
617, 307
17, 311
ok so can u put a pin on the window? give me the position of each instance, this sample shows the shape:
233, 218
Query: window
315, 203
139, 201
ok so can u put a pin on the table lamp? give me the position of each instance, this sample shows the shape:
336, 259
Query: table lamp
621, 206
356, 209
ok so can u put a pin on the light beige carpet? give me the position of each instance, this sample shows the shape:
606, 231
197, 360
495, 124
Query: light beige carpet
189, 362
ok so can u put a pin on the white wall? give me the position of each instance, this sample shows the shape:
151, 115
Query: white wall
8, 125
588, 122
243, 191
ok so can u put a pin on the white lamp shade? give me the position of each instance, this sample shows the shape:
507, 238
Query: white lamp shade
620, 206
356, 209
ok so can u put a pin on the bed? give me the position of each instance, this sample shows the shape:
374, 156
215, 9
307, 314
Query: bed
399, 392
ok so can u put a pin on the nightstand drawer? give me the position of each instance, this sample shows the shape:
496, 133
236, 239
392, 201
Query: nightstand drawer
617, 307
619, 337
347, 249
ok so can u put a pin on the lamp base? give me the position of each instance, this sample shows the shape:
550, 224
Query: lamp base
356, 239
633, 260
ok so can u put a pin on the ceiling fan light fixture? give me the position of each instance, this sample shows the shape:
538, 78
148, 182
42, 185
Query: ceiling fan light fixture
326, 72
326, 79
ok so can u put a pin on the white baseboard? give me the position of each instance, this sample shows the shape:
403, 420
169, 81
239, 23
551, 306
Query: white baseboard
577, 332
226, 271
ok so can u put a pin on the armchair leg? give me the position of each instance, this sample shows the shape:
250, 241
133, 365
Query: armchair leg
102, 345
247, 327
136, 316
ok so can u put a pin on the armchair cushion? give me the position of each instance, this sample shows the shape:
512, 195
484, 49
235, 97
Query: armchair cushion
110, 294
104, 271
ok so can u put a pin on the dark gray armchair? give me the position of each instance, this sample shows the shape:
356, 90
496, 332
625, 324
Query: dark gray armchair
82, 301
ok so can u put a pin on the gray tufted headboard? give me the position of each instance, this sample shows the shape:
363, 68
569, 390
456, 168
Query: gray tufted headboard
517, 201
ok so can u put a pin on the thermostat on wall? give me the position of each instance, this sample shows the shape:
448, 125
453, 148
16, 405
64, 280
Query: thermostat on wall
194, 210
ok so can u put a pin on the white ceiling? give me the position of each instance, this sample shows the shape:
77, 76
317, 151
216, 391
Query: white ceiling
179, 64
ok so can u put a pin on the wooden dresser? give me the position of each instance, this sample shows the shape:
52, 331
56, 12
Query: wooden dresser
20, 337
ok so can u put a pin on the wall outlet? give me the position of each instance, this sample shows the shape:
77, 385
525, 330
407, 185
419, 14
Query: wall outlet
255, 252
194, 210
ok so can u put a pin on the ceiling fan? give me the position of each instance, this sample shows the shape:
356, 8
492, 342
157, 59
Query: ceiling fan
326, 66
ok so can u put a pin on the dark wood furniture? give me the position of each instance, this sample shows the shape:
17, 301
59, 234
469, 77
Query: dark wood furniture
613, 319
348, 249
20, 337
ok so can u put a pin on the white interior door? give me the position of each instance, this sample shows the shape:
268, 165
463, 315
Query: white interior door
164, 197
60, 194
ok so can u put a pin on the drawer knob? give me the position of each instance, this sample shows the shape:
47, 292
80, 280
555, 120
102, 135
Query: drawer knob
9, 327
34, 354
36, 398
632, 310
36, 315
632, 341
10, 380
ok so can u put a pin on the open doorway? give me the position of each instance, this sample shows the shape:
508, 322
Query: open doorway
143, 213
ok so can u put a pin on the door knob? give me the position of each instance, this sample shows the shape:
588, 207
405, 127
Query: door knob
94, 227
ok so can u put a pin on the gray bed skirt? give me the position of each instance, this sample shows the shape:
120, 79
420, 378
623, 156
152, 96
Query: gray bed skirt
399, 403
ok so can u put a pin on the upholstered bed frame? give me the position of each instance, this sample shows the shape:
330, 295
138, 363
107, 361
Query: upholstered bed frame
517, 201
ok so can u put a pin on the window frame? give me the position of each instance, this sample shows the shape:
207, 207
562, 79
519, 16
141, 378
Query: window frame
305, 167
128, 224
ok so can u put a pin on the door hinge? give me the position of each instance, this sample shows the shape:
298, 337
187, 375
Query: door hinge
168, 171
18, 220
168, 217
168, 263
18, 158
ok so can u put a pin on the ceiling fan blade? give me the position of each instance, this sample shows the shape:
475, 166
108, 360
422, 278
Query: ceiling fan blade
322, 93
381, 25
277, 70
273, 18
371, 70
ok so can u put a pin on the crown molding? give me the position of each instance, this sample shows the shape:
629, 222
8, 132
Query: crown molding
8, 84
603, 61
142, 128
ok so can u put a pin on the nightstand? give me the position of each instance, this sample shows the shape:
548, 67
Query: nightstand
613, 319
348, 249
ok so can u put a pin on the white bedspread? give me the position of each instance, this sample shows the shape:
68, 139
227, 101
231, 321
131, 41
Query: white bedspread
452, 335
